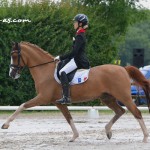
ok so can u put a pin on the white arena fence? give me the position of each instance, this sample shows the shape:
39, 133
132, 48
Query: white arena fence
73, 108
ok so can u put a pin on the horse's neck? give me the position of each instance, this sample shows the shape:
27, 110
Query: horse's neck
35, 57
42, 73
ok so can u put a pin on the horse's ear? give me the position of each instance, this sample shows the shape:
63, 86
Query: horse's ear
12, 43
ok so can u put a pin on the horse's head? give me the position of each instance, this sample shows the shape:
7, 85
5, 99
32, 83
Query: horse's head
16, 64
27, 54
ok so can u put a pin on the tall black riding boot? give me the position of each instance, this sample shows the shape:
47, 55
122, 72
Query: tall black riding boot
66, 90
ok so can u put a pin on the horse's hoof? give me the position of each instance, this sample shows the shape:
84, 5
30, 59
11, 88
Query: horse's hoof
5, 126
145, 140
74, 137
109, 135
71, 140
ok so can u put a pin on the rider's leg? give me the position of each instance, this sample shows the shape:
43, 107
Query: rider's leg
70, 66
65, 89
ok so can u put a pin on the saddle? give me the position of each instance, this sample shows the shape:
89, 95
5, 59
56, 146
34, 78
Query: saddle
77, 76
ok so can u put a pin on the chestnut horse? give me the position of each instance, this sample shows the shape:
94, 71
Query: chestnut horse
106, 82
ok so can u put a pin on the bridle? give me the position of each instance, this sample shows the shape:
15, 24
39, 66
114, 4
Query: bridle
18, 67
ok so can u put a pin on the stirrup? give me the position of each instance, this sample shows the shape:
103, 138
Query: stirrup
64, 100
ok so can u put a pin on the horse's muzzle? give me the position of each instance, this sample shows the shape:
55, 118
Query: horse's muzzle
14, 74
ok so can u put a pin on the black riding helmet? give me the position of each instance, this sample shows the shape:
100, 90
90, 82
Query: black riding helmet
81, 18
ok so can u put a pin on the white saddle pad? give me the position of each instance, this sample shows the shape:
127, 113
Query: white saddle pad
80, 76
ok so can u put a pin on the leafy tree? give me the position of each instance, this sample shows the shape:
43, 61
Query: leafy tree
137, 36
51, 29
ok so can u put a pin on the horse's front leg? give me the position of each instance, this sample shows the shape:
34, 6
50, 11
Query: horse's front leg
67, 115
31, 103
13, 116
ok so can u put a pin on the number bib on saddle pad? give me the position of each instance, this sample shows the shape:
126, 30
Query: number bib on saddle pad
75, 77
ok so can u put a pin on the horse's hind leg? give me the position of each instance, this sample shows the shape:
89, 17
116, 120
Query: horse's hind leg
110, 101
67, 115
137, 114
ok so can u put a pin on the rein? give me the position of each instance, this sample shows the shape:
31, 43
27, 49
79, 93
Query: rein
41, 64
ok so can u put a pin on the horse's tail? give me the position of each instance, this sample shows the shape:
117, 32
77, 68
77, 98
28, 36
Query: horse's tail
140, 80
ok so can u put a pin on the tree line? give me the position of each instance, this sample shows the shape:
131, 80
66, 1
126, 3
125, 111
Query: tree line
49, 25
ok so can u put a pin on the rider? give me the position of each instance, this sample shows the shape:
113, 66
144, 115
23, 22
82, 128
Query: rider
77, 57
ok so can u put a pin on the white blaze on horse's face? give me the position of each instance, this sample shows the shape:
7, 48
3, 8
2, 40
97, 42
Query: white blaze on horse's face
12, 72
10, 69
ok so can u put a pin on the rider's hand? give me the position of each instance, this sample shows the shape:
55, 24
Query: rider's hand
57, 58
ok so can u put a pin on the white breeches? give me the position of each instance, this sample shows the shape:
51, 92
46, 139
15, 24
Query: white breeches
70, 66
